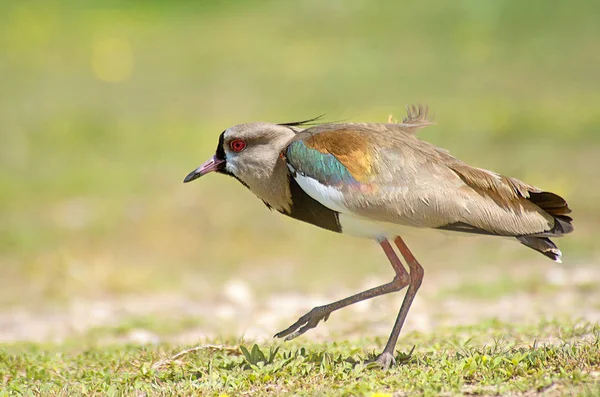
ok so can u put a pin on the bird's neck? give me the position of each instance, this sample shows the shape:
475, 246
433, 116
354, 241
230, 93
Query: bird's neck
273, 187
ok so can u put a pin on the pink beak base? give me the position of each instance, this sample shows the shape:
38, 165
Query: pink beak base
213, 164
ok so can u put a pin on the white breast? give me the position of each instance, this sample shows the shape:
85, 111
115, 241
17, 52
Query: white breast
329, 196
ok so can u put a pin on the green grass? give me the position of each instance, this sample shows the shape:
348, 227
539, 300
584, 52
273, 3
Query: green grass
446, 363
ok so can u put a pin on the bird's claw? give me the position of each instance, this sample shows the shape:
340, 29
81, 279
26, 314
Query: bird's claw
304, 323
385, 360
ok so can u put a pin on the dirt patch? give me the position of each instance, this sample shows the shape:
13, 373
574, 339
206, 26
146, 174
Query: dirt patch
238, 309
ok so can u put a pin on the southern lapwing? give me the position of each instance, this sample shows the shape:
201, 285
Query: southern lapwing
373, 180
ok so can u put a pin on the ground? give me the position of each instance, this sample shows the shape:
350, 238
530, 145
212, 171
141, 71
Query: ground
531, 331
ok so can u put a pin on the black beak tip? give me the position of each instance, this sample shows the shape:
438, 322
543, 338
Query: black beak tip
191, 176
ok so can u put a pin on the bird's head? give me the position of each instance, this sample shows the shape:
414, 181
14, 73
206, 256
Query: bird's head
251, 153
246, 151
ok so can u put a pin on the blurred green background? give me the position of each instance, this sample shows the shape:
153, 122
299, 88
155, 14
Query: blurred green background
106, 106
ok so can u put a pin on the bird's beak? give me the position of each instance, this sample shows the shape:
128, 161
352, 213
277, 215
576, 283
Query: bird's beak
213, 164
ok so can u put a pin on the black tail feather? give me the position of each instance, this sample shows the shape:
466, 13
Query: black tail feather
543, 245
550, 202
557, 207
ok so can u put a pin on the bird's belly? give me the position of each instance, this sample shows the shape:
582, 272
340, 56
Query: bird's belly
366, 228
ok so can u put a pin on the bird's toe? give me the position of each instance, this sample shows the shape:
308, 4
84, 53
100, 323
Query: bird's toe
385, 360
304, 323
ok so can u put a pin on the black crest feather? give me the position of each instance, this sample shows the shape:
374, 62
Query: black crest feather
303, 122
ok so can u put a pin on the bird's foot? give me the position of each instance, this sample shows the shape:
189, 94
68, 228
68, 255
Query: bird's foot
385, 360
304, 323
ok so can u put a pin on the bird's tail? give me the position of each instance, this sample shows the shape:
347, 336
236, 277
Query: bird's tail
557, 207
543, 245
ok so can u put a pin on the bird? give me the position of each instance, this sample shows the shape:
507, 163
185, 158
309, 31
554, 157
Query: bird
378, 181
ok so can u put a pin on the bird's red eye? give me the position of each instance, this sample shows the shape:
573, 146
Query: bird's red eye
237, 145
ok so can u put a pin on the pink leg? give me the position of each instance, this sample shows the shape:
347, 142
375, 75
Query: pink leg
386, 358
313, 317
